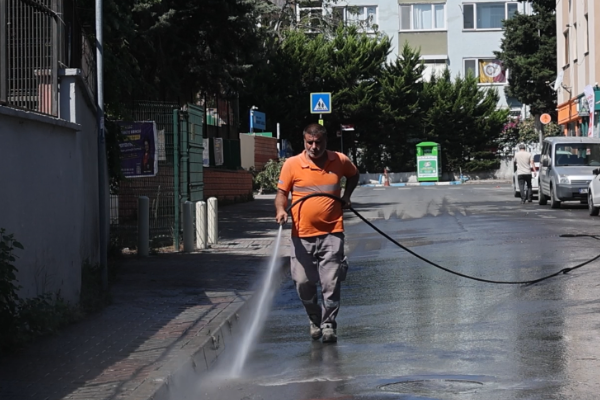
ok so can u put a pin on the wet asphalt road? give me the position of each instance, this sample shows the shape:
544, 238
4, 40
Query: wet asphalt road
410, 331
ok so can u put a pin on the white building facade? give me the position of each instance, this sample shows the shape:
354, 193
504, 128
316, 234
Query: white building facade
459, 34
578, 67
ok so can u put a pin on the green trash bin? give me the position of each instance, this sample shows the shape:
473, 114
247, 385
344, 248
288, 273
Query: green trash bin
429, 163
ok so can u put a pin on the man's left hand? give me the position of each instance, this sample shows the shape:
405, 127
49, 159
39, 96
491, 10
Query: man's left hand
347, 203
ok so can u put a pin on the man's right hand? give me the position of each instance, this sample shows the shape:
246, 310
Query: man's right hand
281, 217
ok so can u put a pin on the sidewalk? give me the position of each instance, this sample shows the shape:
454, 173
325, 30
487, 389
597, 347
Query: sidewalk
167, 311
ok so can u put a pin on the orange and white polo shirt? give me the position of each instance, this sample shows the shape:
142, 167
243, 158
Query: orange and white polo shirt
317, 215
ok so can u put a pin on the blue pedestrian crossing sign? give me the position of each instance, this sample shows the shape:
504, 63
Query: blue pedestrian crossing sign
320, 103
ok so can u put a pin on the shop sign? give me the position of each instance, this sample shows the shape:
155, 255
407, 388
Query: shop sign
590, 96
583, 107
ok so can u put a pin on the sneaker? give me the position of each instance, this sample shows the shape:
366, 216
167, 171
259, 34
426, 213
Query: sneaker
329, 334
315, 331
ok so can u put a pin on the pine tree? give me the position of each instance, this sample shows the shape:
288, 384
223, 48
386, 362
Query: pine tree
528, 50
401, 111
463, 118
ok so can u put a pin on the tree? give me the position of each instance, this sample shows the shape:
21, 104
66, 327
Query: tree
463, 118
528, 50
523, 131
172, 49
346, 63
402, 111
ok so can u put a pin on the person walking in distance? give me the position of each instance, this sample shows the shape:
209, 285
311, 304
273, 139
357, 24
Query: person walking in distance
317, 253
525, 166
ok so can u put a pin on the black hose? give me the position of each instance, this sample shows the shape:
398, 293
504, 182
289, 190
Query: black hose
530, 282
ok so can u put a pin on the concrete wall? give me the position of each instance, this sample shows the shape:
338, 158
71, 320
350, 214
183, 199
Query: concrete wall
429, 43
49, 201
247, 150
256, 151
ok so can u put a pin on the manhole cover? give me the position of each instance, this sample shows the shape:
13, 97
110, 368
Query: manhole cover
431, 386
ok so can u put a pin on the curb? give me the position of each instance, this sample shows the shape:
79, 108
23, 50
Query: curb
415, 184
196, 354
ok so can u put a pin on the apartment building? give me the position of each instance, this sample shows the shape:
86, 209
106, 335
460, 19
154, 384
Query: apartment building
578, 67
459, 34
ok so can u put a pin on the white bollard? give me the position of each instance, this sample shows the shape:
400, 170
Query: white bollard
213, 220
201, 227
143, 226
188, 227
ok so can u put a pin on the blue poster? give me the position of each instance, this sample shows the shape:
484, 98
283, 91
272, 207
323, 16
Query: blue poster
286, 150
139, 150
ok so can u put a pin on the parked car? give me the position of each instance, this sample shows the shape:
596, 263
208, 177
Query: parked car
566, 169
534, 181
594, 193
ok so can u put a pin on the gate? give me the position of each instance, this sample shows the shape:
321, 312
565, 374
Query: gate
159, 189
189, 147
179, 178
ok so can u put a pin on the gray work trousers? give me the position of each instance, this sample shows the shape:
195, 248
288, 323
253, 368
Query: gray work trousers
313, 260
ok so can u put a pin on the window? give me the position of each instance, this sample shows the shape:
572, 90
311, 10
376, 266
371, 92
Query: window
310, 16
587, 35
487, 71
434, 67
567, 50
363, 16
575, 47
487, 15
422, 17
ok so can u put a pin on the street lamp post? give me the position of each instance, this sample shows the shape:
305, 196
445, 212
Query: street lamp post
252, 118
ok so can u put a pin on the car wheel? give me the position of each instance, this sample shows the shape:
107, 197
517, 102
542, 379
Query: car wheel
554, 202
542, 200
591, 207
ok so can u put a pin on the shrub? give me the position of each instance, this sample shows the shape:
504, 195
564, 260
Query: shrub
22, 320
266, 180
482, 161
9, 300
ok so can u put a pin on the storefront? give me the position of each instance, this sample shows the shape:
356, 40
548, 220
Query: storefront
576, 115
583, 110
590, 102
568, 117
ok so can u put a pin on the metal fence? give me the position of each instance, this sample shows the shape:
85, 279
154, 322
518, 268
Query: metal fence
37, 38
221, 121
222, 116
159, 189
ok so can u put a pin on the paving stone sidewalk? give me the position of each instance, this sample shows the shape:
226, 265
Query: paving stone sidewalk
166, 308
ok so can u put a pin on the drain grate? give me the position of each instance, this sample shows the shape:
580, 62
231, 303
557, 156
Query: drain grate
432, 386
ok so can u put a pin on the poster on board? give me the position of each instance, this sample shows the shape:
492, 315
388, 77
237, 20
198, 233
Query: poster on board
206, 153
218, 145
139, 149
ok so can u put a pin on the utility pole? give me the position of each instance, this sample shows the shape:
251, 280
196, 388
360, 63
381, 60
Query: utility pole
102, 170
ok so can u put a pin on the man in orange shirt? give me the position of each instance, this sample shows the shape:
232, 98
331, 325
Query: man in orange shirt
317, 226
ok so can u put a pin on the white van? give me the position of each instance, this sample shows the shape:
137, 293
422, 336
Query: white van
566, 168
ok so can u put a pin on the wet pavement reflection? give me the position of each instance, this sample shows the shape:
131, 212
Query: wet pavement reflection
410, 331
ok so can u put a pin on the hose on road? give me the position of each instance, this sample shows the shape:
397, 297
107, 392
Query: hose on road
385, 235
